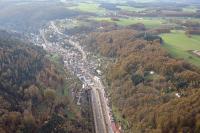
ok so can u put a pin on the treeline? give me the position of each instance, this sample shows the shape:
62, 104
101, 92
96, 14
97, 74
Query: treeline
33, 93
193, 31
91, 26
159, 13
152, 91
191, 27
109, 6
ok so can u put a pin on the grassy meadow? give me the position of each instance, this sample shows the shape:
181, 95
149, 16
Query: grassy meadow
190, 9
179, 45
89, 7
148, 22
129, 8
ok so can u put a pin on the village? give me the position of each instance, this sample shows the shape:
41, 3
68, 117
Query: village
76, 60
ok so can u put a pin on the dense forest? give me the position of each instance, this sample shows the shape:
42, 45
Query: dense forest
34, 96
150, 91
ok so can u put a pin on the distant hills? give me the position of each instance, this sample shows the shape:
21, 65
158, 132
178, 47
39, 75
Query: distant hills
176, 1
147, 1
29, 16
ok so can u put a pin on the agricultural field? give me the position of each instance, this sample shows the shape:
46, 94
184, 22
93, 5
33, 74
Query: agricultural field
179, 45
69, 24
89, 7
148, 22
129, 8
190, 9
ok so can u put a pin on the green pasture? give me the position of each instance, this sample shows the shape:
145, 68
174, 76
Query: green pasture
190, 9
129, 8
148, 22
89, 7
178, 44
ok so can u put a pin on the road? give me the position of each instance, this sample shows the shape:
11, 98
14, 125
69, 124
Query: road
76, 60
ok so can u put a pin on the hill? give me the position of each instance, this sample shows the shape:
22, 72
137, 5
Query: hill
32, 97
150, 91
29, 16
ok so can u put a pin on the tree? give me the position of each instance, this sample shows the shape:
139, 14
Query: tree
29, 122
137, 79
31, 92
50, 97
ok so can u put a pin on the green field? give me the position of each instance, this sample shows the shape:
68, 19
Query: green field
72, 24
148, 22
190, 9
129, 8
178, 45
89, 7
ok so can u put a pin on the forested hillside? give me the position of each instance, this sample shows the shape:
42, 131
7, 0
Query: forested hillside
150, 91
34, 96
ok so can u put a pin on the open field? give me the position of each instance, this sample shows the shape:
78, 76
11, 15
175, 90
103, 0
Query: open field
190, 9
148, 22
129, 8
178, 45
89, 7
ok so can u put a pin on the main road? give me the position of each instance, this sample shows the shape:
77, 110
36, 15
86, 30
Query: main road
81, 67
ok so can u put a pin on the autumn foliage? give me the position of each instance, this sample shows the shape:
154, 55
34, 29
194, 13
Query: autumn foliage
32, 98
152, 91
